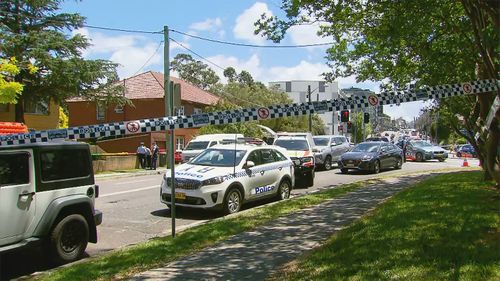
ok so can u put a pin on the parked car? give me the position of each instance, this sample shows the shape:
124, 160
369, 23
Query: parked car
423, 150
378, 139
330, 147
299, 149
200, 143
372, 157
47, 194
466, 151
227, 176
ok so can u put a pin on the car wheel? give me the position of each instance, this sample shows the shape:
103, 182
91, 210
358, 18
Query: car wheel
68, 239
310, 179
419, 157
328, 163
344, 171
232, 201
284, 190
399, 163
376, 167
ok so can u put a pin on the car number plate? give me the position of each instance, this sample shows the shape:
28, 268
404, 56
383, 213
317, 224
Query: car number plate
349, 165
180, 195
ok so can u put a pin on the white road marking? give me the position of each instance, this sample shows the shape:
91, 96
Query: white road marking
130, 191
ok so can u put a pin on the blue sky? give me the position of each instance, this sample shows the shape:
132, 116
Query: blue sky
223, 20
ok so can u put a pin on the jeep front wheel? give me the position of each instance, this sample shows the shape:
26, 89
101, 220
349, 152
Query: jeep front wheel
69, 239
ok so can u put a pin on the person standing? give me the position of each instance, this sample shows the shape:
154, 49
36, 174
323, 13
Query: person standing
141, 154
148, 158
154, 155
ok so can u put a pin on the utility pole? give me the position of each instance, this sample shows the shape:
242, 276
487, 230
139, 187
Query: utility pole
169, 111
310, 114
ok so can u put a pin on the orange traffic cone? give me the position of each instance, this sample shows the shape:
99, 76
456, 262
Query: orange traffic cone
465, 164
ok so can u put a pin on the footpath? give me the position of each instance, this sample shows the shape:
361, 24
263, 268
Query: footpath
254, 255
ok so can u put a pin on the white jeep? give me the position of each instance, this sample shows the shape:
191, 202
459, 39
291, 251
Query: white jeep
47, 195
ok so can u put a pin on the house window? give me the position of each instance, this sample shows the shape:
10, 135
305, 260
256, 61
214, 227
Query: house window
179, 110
179, 141
36, 107
119, 109
101, 111
321, 87
288, 87
197, 110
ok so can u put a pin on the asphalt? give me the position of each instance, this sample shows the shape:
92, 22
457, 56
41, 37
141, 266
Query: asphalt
256, 254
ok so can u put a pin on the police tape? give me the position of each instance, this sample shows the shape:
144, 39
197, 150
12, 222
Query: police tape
250, 114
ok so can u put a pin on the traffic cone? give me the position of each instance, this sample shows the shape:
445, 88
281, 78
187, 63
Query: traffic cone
465, 164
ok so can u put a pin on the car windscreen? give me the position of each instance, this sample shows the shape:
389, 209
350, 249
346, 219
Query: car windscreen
366, 147
197, 145
219, 157
321, 141
421, 143
293, 144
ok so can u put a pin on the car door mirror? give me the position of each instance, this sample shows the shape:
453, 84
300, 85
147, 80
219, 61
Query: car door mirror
249, 164
383, 150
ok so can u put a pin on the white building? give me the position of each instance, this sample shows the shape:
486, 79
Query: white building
320, 90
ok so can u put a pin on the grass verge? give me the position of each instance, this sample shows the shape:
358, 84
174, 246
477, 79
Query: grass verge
445, 228
159, 251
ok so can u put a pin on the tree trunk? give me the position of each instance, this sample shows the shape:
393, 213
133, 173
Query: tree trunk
19, 110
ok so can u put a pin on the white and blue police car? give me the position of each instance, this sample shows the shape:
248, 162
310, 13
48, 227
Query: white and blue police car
226, 176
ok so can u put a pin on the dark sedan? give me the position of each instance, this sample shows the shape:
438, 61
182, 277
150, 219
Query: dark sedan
372, 157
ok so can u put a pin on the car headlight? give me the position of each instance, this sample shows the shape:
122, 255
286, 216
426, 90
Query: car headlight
212, 181
367, 157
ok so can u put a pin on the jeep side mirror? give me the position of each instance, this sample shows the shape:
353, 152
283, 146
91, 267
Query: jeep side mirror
249, 164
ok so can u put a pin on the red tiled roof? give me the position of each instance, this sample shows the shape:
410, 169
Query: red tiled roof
149, 85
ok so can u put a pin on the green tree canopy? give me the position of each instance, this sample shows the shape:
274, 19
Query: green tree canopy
34, 32
194, 71
423, 42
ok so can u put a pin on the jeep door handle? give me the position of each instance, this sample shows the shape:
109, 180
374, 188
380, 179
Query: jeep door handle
27, 194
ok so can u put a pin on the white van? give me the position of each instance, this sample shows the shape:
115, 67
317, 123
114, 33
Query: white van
200, 143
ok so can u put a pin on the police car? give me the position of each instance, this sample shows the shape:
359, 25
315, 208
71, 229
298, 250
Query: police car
226, 176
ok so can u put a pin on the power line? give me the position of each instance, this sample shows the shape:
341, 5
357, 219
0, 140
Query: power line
251, 45
83, 25
198, 55
147, 61
176, 31
122, 30
220, 67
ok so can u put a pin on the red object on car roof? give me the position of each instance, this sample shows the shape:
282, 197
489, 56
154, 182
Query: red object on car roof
7, 128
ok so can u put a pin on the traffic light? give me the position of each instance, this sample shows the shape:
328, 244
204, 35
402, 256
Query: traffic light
366, 118
344, 116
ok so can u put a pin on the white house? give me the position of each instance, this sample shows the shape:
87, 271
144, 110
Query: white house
320, 90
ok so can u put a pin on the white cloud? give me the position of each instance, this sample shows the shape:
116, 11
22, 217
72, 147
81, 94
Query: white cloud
252, 65
302, 71
244, 26
307, 34
131, 52
207, 25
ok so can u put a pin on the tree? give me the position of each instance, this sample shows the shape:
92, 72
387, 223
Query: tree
194, 71
236, 95
33, 33
9, 90
230, 74
426, 42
